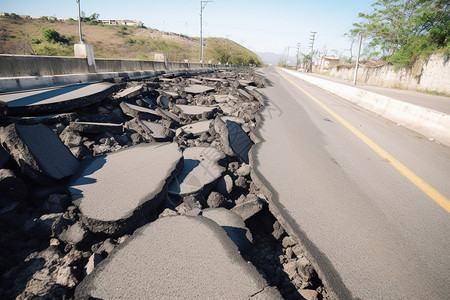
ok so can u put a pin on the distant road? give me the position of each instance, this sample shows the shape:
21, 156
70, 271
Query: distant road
339, 174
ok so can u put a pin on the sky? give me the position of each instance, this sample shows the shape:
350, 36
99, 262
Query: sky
262, 26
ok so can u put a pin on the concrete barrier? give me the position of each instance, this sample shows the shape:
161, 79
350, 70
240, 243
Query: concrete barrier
33, 65
430, 123
122, 65
20, 72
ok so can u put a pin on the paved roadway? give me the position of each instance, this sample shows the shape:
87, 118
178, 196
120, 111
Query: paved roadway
374, 233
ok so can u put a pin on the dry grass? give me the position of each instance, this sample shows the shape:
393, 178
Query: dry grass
124, 42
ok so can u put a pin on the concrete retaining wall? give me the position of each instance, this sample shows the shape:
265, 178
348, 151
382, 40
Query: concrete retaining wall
430, 123
19, 72
432, 74
117, 65
32, 65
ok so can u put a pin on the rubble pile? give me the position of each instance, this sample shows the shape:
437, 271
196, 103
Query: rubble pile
76, 185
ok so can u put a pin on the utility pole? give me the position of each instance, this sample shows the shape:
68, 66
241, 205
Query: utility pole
298, 53
202, 6
287, 57
79, 22
312, 49
357, 60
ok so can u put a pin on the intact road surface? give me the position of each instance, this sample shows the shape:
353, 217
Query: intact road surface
368, 198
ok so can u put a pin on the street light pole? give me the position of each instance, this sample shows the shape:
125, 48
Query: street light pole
202, 6
79, 22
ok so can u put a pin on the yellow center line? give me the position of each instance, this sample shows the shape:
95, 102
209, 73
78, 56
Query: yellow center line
416, 180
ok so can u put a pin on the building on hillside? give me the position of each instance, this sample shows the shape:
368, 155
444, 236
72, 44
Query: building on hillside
122, 22
325, 63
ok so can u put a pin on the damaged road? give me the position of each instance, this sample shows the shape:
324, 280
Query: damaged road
153, 180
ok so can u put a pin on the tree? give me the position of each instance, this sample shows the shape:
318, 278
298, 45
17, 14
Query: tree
405, 28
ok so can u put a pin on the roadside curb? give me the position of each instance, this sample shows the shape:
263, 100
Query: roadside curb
430, 123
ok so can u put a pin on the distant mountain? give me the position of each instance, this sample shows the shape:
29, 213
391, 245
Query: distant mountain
271, 58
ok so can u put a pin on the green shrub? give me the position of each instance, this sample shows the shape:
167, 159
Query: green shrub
51, 49
52, 36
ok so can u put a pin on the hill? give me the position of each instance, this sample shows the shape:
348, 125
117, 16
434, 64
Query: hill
31, 36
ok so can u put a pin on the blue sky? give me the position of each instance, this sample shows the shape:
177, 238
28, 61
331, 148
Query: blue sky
264, 26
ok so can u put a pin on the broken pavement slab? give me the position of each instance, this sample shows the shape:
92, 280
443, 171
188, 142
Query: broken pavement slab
39, 152
157, 131
233, 224
118, 191
176, 257
56, 99
200, 170
139, 112
196, 110
198, 89
173, 95
165, 114
197, 128
130, 92
239, 140
93, 127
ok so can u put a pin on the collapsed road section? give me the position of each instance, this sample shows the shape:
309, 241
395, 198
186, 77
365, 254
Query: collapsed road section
155, 196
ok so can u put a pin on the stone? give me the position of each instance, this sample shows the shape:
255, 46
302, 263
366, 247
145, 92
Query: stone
200, 169
115, 192
163, 101
248, 209
288, 242
305, 268
244, 170
278, 230
225, 185
130, 92
70, 138
93, 261
215, 200
39, 152
12, 188
74, 235
92, 127
161, 258
239, 141
139, 112
308, 294
233, 225
241, 182
290, 268
198, 89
